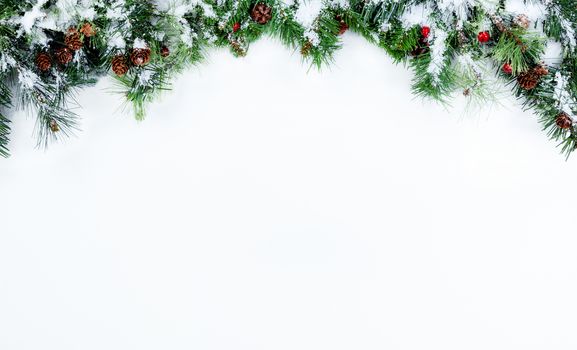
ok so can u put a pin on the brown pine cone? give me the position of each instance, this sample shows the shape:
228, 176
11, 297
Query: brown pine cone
564, 121
522, 21
63, 55
87, 30
530, 79
164, 51
73, 39
54, 126
541, 70
119, 65
43, 61
261, 13
306, 48
140, 57
238, 49
343, 26
422, 48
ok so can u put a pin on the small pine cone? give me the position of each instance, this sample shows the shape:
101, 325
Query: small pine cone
261, 13
422, 48
522, 21
498, 22
43, 61
530, 79
73, 39
541, 70
54, 126
237, 48
462, 38
164, 51
140, 57
343, 26
63, 55
419, 51
87, 30
119, 65
306, 48
564, 121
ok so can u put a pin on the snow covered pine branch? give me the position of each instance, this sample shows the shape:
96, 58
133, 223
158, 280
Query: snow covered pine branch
50, 48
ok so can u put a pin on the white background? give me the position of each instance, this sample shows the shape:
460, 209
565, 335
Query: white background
261, 206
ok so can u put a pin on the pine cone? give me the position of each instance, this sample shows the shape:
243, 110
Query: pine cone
261, 13
54, 126
43, 61
73, 39
498, 22
119, 65
306, 48
237, 48
140, 57
164, 51
87, 30
564, 121
343, 26
541, 70
462, 38
422, 48
63, 55
530, 79
522, 21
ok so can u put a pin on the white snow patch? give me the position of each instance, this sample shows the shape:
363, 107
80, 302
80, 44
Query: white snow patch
27, 78
308, 12
29, 18
117, 41
438, 48
139, 44
535, 11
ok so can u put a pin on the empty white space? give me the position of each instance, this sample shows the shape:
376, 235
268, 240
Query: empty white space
265, 206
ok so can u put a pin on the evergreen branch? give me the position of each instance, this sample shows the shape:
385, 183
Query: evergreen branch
47, 52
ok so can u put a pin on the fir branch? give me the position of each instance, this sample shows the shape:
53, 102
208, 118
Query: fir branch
5, 104
517, 47
152, 41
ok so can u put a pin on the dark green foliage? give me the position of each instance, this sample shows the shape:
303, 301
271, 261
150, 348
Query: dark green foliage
382, 12
542, 100
5, 103
438, 88
399, 42
521, 49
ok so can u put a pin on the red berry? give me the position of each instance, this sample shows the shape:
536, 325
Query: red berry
425, 31
483, 37
507, 69
236, 27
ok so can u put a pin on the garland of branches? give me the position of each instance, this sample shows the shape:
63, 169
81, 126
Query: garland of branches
51, 48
